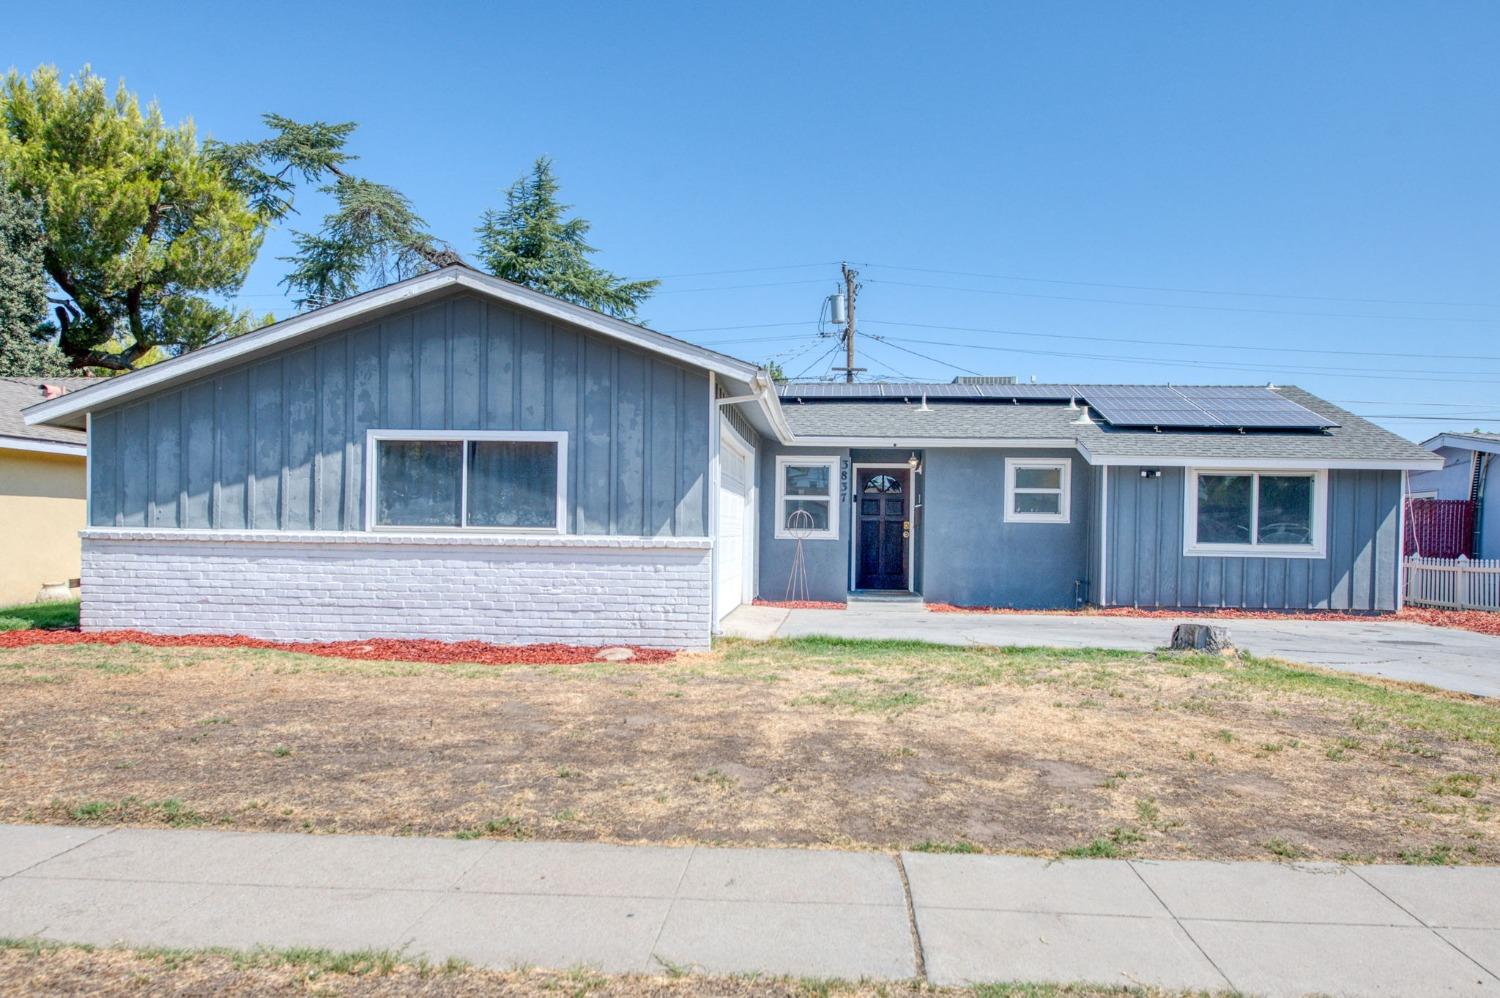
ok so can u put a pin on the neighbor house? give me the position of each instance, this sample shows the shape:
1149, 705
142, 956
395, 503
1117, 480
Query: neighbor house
1470, 473
456, 456
41, 493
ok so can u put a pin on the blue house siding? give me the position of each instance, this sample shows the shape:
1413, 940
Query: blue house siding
278, 444
975, 558
1146, 566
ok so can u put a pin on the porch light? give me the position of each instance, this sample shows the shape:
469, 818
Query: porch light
914, 463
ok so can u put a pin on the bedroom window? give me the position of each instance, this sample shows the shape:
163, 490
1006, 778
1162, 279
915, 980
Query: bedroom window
1036, 490
1261, 513
481, 480
805, 505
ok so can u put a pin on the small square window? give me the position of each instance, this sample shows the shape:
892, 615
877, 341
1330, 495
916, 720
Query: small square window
1036, 490
806, 501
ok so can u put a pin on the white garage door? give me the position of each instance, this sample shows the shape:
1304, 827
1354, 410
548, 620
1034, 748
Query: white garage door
734, 489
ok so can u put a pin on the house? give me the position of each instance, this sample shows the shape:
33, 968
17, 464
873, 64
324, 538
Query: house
1470, 473
455, 456
41, 493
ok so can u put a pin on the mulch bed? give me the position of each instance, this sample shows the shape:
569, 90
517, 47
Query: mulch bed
374, 649
800, 604
1479, 621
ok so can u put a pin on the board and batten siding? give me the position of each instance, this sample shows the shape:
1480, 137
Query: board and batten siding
278, 443
1146, 566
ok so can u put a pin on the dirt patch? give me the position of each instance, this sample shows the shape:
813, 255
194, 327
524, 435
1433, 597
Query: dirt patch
803, 743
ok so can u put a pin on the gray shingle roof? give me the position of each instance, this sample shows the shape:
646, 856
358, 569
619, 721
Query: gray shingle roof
1353, 439
18, 393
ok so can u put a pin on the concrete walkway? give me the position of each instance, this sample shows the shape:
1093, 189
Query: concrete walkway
1262, 928
1439, 656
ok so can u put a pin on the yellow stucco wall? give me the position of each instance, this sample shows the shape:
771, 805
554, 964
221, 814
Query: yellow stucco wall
41, 512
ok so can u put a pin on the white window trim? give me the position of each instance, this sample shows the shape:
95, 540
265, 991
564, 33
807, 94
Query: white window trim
1317, 549
832, 463
1064, 492
372, 451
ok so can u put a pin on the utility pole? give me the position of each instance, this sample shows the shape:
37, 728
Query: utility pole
851, 288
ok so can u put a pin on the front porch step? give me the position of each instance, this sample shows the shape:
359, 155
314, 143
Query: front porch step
886, 601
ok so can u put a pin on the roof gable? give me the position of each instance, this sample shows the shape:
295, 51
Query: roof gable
69, 410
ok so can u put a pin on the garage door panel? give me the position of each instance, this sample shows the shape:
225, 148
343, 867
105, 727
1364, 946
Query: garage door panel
733, 534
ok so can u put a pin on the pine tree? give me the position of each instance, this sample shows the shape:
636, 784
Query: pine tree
531, 242
24, 350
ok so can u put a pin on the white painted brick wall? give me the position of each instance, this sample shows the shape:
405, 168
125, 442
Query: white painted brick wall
311, 587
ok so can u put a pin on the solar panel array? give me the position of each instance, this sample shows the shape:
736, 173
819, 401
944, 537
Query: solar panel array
1157, 406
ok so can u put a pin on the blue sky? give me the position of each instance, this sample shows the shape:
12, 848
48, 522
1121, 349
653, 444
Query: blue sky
1033, 189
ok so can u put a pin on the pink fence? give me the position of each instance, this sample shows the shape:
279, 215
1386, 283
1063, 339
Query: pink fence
1439, 528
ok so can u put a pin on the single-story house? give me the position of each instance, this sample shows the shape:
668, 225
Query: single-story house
42, 494
455, 456
1469, 472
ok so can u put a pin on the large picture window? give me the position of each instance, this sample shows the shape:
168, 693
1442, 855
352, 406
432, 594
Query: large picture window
806, 492
482, 480
1262, 513
1036, 490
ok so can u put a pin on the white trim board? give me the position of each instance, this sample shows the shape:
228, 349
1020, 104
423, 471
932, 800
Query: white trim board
43, 446
362, 306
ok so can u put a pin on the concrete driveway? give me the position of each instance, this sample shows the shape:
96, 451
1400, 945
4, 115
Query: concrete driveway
1442, 657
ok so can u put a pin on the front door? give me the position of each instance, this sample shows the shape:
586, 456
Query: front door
884, 525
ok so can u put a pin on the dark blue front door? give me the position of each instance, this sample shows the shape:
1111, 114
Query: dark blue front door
884, 524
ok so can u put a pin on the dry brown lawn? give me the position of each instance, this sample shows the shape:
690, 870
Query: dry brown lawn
29, 968
809, 742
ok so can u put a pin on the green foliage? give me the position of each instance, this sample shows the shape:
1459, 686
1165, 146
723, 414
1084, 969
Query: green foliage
49, 616
373, 236
531, 242
24, 350
140, 223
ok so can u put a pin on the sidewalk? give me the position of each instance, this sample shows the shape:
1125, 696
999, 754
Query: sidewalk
1258, 927
1443, 657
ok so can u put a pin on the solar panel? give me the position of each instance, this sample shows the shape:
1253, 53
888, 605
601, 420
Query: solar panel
1201, 406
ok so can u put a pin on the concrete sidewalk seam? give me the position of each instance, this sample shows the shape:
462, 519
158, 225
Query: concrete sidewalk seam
911, 918
1182, 928
667, 917
1430, 928
92, 838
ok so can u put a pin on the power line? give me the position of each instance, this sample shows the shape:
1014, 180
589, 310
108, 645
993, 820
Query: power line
1189, 291
887, 341
820, 358
738, 287
742, 270
1202, 308
1224, 366
1182, 343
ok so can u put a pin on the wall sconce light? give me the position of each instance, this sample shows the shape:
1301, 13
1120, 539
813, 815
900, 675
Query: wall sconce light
914, 463
1150, 472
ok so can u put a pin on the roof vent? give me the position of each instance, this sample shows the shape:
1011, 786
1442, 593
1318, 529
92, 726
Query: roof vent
1083, 418
924, 407
985, 379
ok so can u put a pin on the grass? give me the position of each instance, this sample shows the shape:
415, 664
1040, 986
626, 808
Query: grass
858, 744
50, 616
81, 969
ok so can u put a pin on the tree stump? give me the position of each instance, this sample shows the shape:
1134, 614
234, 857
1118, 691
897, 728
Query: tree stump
1201, 637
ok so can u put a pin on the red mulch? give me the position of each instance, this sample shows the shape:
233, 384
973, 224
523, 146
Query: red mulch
374, 649
799, 604
1468, 620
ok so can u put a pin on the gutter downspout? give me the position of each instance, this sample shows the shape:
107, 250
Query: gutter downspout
1104, 538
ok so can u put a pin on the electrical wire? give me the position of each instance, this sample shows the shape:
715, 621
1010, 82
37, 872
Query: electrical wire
742, 270
740, 287
887, 341
1187, 291
1200, 308
1162, 362
1180, 343
820, 358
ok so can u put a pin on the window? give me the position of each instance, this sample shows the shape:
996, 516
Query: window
1036, 490
1263, 513
805, 498
478, 479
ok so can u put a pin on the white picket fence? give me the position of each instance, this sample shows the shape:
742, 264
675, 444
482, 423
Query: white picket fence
1453, 583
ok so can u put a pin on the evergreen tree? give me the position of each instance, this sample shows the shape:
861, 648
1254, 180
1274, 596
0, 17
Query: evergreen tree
531, 242
142, 229
24, 350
